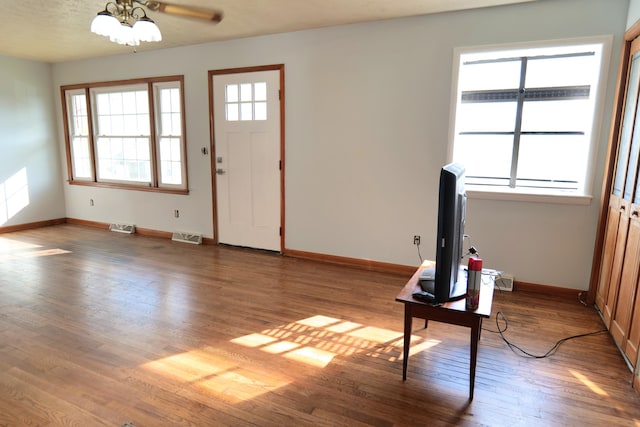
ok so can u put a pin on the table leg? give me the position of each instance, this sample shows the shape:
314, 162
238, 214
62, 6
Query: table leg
408, 318
475, 337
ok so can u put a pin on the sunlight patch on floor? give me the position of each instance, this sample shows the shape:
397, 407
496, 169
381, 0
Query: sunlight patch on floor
587, 382
11, 249
216, 374
10, 245
317, 340
33, 254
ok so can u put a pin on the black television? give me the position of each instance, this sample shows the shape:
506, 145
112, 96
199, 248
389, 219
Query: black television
450, 281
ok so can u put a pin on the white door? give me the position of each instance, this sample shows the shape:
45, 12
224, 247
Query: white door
247, 158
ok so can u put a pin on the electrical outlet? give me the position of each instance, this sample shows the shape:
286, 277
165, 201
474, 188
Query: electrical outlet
416, 240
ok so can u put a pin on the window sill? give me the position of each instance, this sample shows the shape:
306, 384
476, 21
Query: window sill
528, 196
129, 187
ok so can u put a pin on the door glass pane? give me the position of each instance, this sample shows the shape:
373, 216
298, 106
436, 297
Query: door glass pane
632, 169
260, 110
233, 113
246, 94
246, 111
260, 91
627, 125
232, 93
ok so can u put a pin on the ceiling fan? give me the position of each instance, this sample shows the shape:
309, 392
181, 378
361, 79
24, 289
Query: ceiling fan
183, 11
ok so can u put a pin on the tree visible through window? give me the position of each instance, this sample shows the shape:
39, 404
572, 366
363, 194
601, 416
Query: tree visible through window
524, 118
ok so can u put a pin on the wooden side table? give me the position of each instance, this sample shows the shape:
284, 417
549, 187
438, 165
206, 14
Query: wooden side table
453, 312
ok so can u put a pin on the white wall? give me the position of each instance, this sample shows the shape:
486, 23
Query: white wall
634, 12
29, 150
367, 109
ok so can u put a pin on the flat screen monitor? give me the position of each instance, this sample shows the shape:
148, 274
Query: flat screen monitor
450, 281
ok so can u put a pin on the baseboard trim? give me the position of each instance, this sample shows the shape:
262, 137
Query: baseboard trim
548, 290
32, 225
84, 222
149, 232
382, 267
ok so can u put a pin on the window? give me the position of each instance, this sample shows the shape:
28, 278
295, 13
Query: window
246, 101
127, 134
524, 117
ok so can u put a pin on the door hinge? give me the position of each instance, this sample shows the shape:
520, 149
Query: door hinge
279, 94
280, 231
280, 165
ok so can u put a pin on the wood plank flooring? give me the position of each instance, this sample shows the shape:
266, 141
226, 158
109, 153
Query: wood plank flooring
100, 329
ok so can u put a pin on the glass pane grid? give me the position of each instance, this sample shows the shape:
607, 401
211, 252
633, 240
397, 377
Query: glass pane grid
126, 159
122, 130
550, 116
246, 101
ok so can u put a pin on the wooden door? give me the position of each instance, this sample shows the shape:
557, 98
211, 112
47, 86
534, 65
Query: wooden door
247, 158
618, 223
621, 317
631, 341
622, 192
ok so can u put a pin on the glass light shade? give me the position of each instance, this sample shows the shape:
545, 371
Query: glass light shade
146, 30
104, 24
124, 34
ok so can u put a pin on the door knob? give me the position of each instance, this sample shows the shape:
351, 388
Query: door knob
220, 171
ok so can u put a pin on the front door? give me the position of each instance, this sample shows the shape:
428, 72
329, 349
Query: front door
247, 159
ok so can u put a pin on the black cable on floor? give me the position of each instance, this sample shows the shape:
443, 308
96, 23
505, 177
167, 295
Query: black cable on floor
523, 353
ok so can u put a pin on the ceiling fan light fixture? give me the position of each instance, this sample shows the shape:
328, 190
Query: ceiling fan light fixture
125, 35
125, 24
146, 30
104, 24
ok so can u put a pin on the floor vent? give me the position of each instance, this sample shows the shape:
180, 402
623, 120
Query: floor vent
194, 239
123, 228
504, 282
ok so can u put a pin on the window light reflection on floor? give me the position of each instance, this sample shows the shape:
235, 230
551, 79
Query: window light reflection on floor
11, 249
318, 339
216, 374
314, 341
587, 382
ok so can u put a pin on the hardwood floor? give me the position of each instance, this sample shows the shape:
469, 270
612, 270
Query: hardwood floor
100, 328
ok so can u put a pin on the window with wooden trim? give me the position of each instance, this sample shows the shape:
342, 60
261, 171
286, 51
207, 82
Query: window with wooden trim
525, 116
127, 134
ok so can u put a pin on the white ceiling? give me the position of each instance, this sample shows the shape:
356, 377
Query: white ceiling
58, 30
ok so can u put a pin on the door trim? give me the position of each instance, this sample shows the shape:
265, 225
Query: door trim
211, 74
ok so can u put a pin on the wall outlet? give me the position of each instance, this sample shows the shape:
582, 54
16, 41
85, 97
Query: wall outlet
416, 240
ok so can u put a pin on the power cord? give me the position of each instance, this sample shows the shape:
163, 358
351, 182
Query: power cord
523, 353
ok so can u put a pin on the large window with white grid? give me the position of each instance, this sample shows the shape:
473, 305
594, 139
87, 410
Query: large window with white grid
127, 134
525, 116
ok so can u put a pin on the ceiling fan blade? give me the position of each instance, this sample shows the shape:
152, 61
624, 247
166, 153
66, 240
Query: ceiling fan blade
184, 11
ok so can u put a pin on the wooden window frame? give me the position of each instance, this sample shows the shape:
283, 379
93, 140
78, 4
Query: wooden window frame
154, 185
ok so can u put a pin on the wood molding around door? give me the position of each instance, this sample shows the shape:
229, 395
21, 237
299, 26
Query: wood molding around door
229, 71
614, 135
